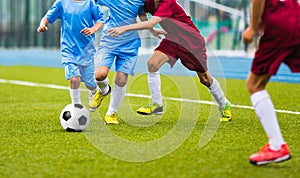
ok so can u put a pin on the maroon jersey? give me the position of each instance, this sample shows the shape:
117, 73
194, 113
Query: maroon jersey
281, 19
176, 23
280, 42
183, 40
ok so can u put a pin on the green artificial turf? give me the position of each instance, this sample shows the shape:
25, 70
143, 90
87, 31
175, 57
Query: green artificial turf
33, 144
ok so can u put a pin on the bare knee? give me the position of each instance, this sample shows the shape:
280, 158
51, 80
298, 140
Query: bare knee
121, 82
75, 82
101, 73
257, 83
152, 66
253, 87
121, 79
156, 61
75, 79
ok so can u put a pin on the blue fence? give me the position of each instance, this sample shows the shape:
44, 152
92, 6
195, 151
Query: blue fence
220, 66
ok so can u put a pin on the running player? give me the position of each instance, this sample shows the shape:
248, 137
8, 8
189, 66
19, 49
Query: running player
182, 41
122, 50
80, 19
280, 43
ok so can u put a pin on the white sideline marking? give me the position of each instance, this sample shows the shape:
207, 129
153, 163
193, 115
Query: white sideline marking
18, 82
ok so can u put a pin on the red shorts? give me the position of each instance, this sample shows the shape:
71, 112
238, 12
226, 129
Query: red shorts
281, 40
267, 61
195, 60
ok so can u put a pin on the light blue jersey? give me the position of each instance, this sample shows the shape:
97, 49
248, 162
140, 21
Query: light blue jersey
121, 12
75, 16
124, 48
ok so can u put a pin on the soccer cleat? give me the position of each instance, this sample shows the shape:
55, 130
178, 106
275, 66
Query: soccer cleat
111, 119
225, 112
96, 100
152, 108
266, 155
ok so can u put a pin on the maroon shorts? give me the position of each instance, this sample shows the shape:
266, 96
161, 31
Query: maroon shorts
281, 40
195, 60
267, 61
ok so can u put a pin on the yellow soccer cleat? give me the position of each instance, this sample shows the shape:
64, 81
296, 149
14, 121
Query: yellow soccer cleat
226, 113
96, 100
111, 119
152, 108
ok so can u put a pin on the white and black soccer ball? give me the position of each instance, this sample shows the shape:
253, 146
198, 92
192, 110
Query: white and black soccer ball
74, 118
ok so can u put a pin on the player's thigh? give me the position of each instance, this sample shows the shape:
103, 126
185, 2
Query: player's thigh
256, 82
157, 59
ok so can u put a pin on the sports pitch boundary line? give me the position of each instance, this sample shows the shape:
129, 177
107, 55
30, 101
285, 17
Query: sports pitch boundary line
25, 83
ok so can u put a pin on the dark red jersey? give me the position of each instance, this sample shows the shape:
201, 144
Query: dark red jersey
179, 26
280, 42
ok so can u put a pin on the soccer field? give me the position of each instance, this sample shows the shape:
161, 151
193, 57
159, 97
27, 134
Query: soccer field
187, 141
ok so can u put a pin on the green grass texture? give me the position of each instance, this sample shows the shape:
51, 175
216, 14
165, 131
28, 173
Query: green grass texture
186, 141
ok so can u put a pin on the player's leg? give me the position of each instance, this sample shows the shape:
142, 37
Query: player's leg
87, 77
105, 89
216, 91
72, 73
102, 81
157, 59
124, 63
116, 98
103, 61
276, 150
75, 90
154, 83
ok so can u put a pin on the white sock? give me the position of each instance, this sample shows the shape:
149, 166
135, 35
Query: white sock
103, 85
265, 111
216, 91
75, 96
154, 86
116, 99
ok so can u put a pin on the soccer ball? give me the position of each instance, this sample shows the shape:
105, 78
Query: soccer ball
74, 118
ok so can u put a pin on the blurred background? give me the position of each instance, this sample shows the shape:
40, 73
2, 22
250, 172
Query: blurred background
220, 22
